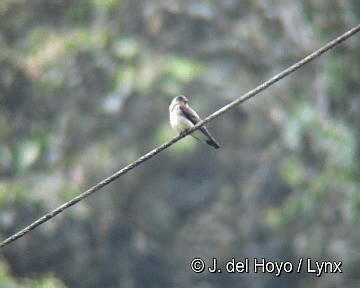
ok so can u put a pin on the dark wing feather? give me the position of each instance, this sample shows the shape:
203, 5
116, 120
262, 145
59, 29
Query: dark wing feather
194, 118
189, 114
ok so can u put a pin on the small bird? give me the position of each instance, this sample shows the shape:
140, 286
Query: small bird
182, 118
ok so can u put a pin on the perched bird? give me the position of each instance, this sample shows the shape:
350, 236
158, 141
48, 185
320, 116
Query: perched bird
182, 118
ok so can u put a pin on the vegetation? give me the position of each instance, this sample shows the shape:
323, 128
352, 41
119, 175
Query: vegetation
84, 90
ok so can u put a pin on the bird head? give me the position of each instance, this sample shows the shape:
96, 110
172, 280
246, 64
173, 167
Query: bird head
179, 99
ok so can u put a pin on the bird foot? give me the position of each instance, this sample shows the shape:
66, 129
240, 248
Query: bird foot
182, 134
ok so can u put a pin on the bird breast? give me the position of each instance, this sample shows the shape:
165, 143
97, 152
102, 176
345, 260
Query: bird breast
178, 121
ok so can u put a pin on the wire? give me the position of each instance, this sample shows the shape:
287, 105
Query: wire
164, 146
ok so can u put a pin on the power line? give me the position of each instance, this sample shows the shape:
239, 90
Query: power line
164, 146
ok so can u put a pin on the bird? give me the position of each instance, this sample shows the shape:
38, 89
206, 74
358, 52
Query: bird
182, 118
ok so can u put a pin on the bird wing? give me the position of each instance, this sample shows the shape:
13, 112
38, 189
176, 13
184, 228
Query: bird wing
194, 118
190, 114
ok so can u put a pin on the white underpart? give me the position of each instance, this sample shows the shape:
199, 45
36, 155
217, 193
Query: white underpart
181, 124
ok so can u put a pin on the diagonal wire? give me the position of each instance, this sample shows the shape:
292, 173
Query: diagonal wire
164, 146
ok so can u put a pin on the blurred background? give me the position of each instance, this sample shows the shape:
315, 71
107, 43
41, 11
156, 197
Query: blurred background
84, 90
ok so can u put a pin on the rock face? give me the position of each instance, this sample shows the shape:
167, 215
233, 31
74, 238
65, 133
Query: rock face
84, 90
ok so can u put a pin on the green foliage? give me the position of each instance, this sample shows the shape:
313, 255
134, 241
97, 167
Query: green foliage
104, 7
60, 59
355, 205
184, 70
29, 149
337, 75
27, 154
16, 193
164, 133
3, 192
293, 172
6, 157
36, 40
84, 39
127, 48
304, 116
158, 77
80, 12
68, 192
311, 170
46, 281
125, 77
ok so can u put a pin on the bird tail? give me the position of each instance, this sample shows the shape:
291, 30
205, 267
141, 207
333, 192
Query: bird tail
213, 143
